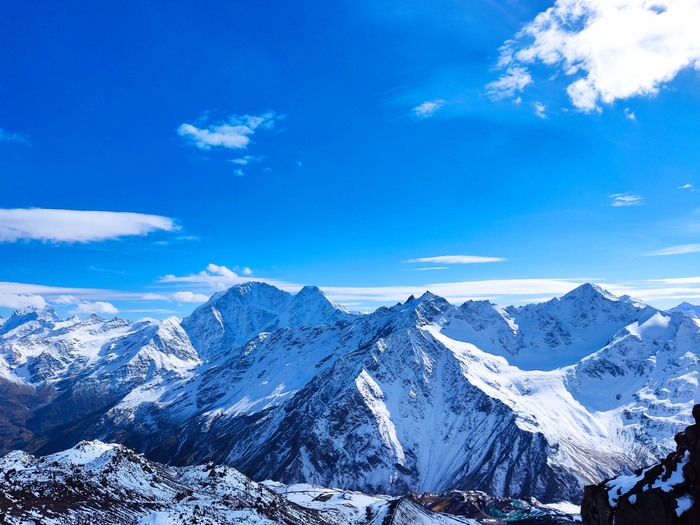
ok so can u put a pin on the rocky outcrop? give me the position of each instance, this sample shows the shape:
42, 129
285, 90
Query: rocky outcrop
667, 493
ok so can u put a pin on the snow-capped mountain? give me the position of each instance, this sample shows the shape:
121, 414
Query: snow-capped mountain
234, 317
424, 396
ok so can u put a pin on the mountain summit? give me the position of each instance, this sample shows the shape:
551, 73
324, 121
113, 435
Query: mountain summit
234, 317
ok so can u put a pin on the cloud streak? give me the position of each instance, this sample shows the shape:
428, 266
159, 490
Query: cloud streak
456, 259
614, 49
676, 250
73, 226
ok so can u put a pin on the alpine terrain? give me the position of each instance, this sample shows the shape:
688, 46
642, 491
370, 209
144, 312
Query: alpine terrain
425, 396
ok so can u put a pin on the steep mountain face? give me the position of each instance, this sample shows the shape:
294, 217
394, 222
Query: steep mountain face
425, 396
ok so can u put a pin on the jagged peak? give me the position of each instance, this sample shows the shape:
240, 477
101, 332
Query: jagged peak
28, 314
477, 304
45, 312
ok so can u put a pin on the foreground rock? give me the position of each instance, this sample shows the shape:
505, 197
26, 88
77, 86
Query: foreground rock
667, 493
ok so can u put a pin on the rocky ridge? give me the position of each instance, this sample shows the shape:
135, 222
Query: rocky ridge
94, 482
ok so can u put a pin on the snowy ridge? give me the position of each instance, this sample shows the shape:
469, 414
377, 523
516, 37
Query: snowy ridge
424, 396
94, 482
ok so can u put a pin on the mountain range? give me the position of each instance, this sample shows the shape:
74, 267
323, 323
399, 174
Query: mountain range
425, 396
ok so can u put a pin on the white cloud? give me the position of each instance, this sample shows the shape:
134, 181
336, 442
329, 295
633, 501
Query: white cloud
515, 79
16, 301
76, 226
617, 48
6, 136
626, 199
234, 133
428, 109
247, 271
629, 115
239, 173
86, 307
98, 307
676, 250
248, 159
686, 187
456, 259
220, 277
540, 109
189, 297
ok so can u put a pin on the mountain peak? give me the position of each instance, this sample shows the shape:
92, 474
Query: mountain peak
234, 317
589, 290
28, 314
686, 306
314, 295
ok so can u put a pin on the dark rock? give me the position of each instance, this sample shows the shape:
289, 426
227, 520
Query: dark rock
667, 493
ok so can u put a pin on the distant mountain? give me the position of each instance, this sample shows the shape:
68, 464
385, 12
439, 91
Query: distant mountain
537, 400
689, 309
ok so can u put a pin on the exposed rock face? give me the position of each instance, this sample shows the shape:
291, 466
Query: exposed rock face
667, 493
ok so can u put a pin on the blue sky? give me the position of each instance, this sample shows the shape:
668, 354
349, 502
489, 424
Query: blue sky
331, 143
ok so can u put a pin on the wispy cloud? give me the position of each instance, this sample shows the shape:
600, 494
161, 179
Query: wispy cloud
456, 259
72, 226
248, 159
426, 269
540, 109
626, 199
676, 250
233, 133
629, 115
428, 109
616, 49
515, 79
6, 136
687, 187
